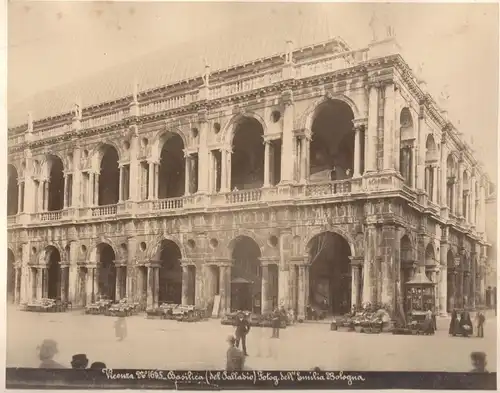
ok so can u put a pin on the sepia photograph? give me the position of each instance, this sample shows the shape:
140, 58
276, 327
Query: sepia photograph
256, 195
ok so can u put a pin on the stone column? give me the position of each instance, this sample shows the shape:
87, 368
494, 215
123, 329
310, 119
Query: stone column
156, 286
303, 295
20, 197
45, 284
267, 166
287, 148
482, 204
371, 134
473, 201
134, 185
224, 171
89, 289
46, 195
266, 305
97, 289
77, 178
303, 160
368, 265
151, 180
17, 276
64, 280
120, 188
225, 288
187, 174
355, 277
443, 282
390, 161
460, 187
434, 197
204, 167
185, 285
150, 287
357, 152
118, 283
65, 194
293, 283
307, 152
96, 188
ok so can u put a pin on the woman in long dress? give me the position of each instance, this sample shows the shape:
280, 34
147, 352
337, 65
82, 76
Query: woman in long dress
454, 324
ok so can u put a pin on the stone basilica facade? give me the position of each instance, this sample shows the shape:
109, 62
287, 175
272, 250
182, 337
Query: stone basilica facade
321, 175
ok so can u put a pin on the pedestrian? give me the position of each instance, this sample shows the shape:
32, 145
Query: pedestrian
121, 328
235, 359
276, 323
79, 361
480, 320
242, 329
478, 360
98, 366
46, 352
454, 323
465, 324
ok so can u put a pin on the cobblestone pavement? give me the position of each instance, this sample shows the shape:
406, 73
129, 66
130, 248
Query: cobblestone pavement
159, 344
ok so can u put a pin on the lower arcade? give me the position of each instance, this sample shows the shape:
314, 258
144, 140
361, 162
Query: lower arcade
331, 257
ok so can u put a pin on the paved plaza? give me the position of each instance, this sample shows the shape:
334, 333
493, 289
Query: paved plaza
161, 344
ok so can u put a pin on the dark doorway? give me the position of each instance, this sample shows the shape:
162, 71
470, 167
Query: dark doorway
246, 275
330, 273
56, 184
11, 276
247, 161
170, 289
54, 272
172, 168
109, 179
106, 272
332, 145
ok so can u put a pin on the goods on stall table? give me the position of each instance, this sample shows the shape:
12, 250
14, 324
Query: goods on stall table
46, 305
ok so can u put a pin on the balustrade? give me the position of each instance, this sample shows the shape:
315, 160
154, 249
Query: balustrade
110, 118
169, 204
50, 216
244, 196
52, 132
322, 66
100, 211
168, 103
11, 220
329, 188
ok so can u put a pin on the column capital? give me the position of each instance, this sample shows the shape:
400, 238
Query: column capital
188, 151
356, 261
299, 260
187, 262
360, 122
91, 265
153, 161
266, 261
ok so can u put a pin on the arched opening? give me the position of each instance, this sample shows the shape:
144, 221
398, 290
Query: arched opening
11, 276
246, 275
247, 161
332, 145
330, 273
12, 190
451, 179
53, 290
451, 279
406, 270
170, 281
56, 184
431, 159
430, 263
109, 179
172, 167
466, 196
106, 272
407, 138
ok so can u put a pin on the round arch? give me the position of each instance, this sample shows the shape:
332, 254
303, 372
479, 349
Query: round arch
231, 126
330, 278
93, 251
155, 245
170, 289
163, 136
246, 276
51, 287
430, 254
12, 190
172, 169
338, 231
106, 272
48, 160
431, 150
109, 178
307, 118
11, 275
53, 169
100, 150
244, 233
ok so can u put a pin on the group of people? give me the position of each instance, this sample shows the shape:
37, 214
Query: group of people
48, 349
461, 324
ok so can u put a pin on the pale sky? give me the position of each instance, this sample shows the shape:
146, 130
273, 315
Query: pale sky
52, 43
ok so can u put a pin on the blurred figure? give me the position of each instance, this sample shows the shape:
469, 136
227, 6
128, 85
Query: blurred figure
454, 323
465, 324
235, 359
98, 366
480, 320
276, 323
120, 328
79, 361
46, 352
242, 329
478, 360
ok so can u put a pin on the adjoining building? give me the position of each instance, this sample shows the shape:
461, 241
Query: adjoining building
311, 175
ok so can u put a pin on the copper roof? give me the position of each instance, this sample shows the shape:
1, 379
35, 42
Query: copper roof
235, 46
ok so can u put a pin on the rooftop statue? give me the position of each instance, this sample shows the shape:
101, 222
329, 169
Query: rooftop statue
381, 27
